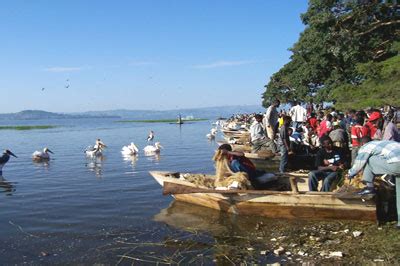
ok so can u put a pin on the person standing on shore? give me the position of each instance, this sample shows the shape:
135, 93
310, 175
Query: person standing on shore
284, 143
373, 127
298, 114
390, 131
271, 119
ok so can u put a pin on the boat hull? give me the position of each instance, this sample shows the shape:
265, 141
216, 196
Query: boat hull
304, 205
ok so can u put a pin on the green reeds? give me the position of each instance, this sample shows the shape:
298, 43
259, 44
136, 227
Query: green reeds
26, 127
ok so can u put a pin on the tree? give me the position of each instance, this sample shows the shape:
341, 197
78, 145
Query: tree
339, 37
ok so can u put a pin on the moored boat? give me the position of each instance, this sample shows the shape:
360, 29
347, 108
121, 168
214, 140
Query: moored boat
292, 203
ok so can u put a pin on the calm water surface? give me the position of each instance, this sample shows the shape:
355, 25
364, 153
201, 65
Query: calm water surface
66, 207
110, 211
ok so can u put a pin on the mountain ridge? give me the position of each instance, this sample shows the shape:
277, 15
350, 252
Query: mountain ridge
203, 112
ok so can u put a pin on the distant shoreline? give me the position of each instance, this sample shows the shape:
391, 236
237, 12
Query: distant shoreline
162, 120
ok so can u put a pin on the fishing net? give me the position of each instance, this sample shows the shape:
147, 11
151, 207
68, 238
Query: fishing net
225, 177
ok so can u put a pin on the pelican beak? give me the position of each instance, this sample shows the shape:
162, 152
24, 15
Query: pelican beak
12, 154
50, 151
161, 147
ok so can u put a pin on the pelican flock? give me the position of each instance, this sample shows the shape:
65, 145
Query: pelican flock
5, 157
42, 155
130, 150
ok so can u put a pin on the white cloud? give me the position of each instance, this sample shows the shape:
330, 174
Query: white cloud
224, 64
64, 69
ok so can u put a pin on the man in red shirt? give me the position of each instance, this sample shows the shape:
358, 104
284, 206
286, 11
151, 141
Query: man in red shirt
357, 133
313, 121
326, 126
372, 127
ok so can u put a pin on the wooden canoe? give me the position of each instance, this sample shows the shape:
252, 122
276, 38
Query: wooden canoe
237, 147
275, 204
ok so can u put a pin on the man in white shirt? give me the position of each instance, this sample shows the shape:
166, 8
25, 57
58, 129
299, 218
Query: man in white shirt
298, 114
271, 119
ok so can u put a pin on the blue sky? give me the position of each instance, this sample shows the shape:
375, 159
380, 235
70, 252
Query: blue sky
164, 54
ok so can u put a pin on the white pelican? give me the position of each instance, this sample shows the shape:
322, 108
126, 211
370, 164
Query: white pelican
150, 149
212, 133
95, 151
99, 144
150, 137
130, 150
41, 155
4, 158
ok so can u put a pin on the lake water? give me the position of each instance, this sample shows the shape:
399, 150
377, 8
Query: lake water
78, 210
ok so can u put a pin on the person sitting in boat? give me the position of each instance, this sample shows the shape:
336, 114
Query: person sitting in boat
238, 162
329, 160
376, 157
259, 140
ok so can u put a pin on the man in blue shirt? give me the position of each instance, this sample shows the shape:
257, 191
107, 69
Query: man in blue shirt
376, 157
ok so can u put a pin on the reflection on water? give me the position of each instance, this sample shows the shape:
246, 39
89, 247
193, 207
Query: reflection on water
131, 158
44, 164
95, 165
7, 187
234, 237
153, 156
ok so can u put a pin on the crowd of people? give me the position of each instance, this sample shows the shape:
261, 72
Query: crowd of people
365, 141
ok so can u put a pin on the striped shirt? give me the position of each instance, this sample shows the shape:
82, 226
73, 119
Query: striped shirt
387, 149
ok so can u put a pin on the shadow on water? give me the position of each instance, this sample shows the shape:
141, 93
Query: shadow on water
7, 187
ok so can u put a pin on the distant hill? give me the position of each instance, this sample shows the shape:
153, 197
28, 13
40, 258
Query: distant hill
206, 112
38, 114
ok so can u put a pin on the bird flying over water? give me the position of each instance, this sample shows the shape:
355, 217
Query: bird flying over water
42, 155
4, 158
150, 137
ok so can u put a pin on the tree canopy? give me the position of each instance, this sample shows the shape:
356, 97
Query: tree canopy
348, 49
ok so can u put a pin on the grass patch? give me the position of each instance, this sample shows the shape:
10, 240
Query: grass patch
161, 120
26, 127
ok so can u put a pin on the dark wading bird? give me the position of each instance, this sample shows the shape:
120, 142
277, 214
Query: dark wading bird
5, 157
150, 137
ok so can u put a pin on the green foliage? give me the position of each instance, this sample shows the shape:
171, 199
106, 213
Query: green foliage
341, 47
26, 127
381, 87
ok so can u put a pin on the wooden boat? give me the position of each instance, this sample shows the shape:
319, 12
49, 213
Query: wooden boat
237, 147
283, 204
235, 133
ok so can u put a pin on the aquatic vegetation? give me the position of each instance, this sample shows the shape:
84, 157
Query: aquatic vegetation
161, 120
26, 127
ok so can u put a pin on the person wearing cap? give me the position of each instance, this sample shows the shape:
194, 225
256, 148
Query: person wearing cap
373, 128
